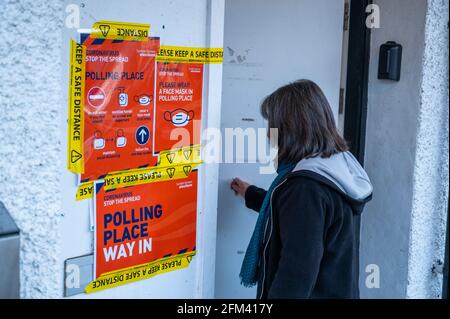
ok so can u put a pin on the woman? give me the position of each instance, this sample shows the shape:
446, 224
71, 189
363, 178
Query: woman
304, 244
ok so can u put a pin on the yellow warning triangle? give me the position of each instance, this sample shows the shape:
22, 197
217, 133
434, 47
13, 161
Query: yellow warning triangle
75, 156
104, 29
187, 154
187, 169
170, 157
171, 171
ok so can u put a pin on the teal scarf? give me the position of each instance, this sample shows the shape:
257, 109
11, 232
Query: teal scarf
249, 269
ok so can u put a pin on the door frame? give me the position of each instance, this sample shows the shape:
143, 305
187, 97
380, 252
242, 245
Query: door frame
357, 79
355, 115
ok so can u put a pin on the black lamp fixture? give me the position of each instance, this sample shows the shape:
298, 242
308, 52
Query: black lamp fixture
390, 61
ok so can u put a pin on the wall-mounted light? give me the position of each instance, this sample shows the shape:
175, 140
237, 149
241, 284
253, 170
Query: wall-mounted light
390, 61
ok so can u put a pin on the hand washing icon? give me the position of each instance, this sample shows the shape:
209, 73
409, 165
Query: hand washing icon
122, 97
179, 117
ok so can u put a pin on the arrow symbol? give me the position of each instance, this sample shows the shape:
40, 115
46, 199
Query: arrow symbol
142, 134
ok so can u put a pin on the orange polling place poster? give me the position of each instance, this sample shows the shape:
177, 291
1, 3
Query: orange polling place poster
178, 105
119, 105
144, 223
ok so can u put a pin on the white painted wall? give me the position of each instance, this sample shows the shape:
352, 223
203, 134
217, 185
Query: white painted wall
31, 101
430, 191
266, 45
406, 156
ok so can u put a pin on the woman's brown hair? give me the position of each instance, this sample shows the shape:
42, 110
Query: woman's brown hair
303, 117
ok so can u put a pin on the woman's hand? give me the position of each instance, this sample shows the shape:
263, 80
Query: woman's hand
239, 186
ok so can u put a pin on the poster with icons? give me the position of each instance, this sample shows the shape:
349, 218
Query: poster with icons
134, 124
178, 105
136, 107
119, 105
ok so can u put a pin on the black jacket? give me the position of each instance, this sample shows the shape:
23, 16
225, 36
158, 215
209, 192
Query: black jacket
311, 247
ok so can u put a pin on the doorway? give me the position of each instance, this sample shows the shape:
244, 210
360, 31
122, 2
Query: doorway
266, 45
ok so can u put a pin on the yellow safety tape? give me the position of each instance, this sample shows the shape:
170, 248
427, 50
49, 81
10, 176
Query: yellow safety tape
140, 272
138, 177
148, 175
85, 191
75, 161
172, 164
168, 53
188, 154
120, 30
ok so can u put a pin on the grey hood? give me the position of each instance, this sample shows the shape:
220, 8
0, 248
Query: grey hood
343, 171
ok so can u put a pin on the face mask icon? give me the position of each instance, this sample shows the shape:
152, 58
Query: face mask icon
143, 99
99, 141
121, 140
179, 117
